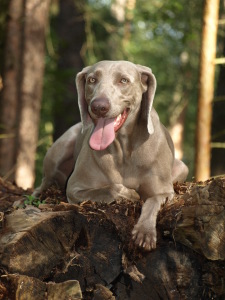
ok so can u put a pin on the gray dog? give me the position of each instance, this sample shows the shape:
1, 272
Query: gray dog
120, 148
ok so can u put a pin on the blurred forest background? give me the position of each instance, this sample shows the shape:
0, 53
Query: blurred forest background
164, 35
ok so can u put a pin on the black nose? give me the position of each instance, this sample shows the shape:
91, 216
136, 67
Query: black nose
100, 106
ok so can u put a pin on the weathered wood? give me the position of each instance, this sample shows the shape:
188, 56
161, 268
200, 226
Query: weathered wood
200, 222
35, 242
91, 243
24, 287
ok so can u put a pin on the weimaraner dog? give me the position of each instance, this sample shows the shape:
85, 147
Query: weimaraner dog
120, 148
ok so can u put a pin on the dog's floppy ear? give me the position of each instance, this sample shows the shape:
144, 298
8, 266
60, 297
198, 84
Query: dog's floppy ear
80, 83
149, 86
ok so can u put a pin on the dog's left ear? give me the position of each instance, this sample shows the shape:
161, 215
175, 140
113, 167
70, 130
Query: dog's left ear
80, 83
149, 86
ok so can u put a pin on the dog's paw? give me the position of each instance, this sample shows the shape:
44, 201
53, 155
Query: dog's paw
144, 236
126, 193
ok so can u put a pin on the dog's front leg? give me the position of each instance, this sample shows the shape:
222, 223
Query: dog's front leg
144, 232
105, 194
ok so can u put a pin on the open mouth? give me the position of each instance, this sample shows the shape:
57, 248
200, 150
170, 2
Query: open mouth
104, 132
121, 119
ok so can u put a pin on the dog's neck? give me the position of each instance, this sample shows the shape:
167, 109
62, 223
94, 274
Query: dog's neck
133, 130
130, 126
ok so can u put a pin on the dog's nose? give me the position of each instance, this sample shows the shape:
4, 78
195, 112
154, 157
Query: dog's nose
100, 106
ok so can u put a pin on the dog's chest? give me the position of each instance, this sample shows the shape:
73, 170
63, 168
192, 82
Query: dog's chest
122, 165
121, 162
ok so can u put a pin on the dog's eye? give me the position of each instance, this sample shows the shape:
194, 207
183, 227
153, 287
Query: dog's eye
91, 80
124, 80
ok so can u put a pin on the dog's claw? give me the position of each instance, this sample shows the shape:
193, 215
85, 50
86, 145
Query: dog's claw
143, 237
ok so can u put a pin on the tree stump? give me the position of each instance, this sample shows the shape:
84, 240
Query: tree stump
64, 251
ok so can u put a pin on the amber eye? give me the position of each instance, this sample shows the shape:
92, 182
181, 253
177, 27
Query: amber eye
123, 80
91, 80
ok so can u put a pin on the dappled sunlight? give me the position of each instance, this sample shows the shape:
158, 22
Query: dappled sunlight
25, 178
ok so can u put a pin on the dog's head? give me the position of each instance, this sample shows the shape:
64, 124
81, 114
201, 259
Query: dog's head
109, 93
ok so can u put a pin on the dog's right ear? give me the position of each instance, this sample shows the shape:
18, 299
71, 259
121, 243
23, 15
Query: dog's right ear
80, 83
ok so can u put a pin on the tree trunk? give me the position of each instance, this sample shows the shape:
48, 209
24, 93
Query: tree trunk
22, 89
11, 88
35, 21
177, 132
218, 128
206, 89
72, 36
129, 9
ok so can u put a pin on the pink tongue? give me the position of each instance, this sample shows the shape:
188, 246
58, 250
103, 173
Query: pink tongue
103, 134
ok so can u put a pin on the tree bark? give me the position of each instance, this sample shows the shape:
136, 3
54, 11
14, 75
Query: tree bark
35, 21
9, 101
22, 89
206, 89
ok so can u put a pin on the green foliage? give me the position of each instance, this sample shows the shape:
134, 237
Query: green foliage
32, 200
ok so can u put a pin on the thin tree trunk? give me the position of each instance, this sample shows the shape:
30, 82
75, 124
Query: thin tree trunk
123, 11
177, 132
72, 37
206, 89
35, 21
118, 9
10, 93
218, 129
129, 15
